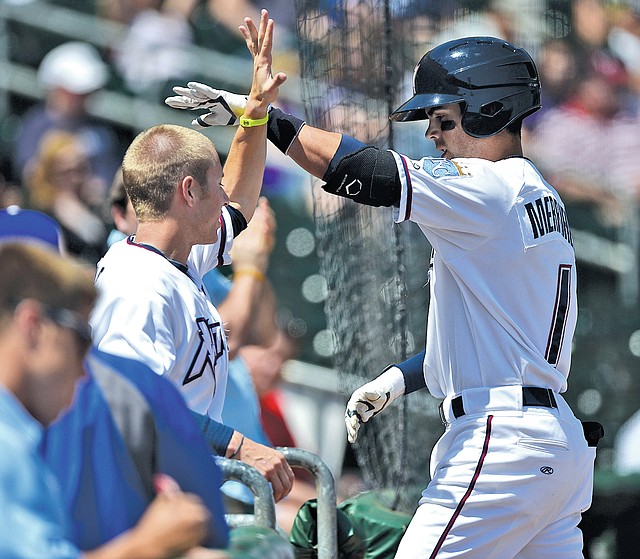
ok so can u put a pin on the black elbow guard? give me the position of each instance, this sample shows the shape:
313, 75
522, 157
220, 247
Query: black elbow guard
367, 176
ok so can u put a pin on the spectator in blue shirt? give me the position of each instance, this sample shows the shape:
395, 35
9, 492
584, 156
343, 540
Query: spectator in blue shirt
125, 426
45, 300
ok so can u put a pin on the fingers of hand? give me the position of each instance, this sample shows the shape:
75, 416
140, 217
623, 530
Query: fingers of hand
203, 91
185, 102
196, 95
352, 422
279, 79
283, 476
266, 41
250, 33
180, 102
206, 120
264, 28
356, 414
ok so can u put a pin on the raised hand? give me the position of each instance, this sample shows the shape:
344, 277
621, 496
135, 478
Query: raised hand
259, 40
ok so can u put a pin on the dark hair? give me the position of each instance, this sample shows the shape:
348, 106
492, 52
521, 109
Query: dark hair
515, 127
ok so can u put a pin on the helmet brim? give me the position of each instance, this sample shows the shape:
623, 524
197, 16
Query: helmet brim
417, 107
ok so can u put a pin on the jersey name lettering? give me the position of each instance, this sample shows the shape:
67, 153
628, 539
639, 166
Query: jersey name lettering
210, 349
546, 216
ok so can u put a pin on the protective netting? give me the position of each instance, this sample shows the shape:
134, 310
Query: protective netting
357, 60
376, 316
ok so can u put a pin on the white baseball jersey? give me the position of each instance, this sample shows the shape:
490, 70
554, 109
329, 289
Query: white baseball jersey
158, 312
503, 279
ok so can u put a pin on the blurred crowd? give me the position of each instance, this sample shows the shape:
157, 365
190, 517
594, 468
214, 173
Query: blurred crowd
584, 138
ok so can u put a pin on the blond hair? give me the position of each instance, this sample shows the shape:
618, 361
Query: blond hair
156, 162
33, 272
42, 190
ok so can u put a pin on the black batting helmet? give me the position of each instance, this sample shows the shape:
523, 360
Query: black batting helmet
497, 82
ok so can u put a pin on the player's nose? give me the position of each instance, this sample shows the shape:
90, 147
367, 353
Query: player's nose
431, 132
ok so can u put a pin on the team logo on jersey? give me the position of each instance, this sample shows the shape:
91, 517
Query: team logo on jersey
439, 168
546, 470
540, 218
210, 348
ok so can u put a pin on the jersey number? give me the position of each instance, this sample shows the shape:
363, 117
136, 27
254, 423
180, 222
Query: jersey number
560, 313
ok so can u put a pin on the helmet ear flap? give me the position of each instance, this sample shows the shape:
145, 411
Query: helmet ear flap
480, 127
489, 120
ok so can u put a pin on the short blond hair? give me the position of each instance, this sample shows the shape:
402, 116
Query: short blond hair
33, 272
157, 160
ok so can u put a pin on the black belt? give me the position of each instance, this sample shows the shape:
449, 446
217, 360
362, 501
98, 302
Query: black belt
531, 396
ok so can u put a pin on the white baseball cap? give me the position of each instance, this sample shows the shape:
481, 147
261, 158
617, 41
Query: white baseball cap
74, 66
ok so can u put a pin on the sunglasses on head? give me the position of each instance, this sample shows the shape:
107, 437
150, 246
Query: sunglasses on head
66, 318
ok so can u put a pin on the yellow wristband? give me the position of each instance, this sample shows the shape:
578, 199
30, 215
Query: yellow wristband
249, 272
249, 122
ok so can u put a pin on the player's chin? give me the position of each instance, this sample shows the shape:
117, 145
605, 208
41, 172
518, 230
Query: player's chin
443, 152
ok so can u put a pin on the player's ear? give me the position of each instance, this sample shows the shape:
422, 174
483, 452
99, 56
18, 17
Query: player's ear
28, 320
185, 190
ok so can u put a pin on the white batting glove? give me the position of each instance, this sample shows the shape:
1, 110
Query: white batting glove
371, 398
225, 108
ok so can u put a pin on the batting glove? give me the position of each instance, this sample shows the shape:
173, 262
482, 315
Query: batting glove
370, 399
225, 108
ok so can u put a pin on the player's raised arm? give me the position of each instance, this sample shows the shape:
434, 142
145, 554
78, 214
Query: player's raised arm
341, 161
244, 169
333, 157
311, 148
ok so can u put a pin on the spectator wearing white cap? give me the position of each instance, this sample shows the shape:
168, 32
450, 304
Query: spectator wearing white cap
68, 75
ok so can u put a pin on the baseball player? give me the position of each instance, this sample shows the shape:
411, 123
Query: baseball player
512, 472
153, 305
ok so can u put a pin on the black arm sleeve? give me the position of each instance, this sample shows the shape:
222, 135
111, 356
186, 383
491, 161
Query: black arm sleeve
363, 173
412, 371
282, 129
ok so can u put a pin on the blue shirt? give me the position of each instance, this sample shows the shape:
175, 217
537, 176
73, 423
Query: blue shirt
127, 424
32, 522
